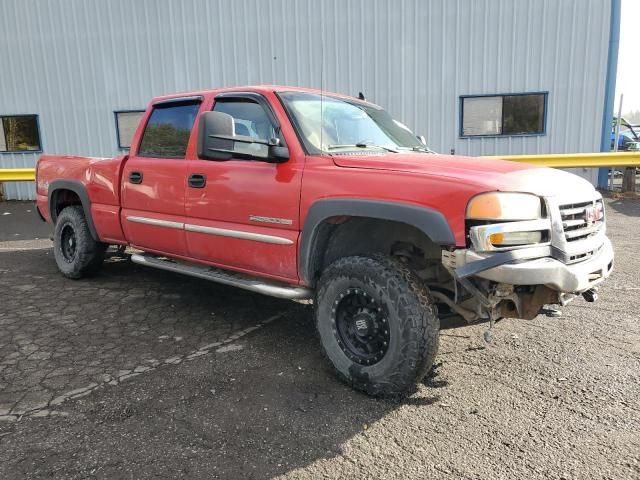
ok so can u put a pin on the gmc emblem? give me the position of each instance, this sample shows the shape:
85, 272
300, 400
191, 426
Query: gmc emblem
593, 214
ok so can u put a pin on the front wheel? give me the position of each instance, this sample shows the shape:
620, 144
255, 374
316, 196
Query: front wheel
377, 323
77, 254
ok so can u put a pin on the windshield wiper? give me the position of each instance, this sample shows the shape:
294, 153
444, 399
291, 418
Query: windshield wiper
363, 145
417, 149
422, 149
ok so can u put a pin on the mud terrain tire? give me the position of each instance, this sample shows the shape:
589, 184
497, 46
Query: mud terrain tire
357, 299
77, 254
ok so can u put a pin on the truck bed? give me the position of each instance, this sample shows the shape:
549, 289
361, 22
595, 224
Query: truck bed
97, 178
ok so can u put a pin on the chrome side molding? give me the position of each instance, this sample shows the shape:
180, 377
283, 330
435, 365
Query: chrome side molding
156, 222
221, 232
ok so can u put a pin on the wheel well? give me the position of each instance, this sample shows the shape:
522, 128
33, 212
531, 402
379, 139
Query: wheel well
62, 198
338, 237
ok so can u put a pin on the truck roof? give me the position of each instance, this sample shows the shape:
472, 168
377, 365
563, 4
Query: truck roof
249, 88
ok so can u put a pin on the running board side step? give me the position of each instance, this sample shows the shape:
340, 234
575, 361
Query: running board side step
226, 277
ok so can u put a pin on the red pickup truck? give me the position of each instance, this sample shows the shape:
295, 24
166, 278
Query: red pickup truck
302, 194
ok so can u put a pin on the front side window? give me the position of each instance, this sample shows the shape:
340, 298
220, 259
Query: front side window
521, 114
167, 132
19, 133
327, 124
249, 118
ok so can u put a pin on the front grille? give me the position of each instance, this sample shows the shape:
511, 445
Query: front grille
576, 224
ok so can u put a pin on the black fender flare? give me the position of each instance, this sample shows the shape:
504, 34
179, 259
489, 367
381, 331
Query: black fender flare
79, 189
429, 221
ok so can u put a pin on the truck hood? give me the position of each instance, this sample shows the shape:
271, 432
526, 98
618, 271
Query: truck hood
487, 174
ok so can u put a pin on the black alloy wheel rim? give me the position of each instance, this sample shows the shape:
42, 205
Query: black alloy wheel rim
68, 243
360, 326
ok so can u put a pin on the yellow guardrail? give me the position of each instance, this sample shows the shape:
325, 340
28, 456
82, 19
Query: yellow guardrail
576, 160
560, 160
17, 174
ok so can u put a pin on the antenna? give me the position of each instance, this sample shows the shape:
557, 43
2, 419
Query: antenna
321, 77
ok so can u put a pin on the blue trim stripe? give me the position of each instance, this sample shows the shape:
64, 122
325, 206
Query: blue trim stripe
610, 88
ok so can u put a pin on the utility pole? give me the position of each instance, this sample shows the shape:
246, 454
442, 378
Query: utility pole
629, 175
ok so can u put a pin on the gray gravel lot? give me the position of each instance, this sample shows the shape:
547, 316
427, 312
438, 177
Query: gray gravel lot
139, 373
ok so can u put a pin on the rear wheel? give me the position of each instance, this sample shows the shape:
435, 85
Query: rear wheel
377, 323
77, 254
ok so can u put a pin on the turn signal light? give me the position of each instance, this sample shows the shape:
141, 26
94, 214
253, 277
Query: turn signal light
511, 239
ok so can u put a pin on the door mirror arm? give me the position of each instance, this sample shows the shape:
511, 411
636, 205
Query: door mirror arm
245, 139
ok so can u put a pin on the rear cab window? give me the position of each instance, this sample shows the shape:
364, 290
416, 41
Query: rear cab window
167, 132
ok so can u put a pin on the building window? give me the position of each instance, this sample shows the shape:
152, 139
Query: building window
19, 133
126, 124
167, 132
495, 115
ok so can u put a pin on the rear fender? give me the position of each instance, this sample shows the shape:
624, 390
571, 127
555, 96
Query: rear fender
79, 189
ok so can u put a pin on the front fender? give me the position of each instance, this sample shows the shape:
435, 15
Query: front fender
429, 221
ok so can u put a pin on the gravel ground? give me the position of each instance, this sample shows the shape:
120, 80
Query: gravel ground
548, 398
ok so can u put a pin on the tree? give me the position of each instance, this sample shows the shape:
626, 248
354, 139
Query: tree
633, 117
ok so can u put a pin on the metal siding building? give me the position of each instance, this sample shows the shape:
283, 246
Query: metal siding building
75, 62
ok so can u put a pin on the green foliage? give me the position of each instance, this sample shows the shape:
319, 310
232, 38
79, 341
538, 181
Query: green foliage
164, 140
523, 114
633, 117
20, 133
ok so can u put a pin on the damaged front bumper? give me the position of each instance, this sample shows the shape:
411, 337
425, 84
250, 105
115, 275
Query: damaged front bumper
534, 266
573, 256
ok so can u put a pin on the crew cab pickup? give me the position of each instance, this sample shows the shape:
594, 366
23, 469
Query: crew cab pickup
303, 194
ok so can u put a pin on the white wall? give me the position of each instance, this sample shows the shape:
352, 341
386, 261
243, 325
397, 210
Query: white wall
73, 62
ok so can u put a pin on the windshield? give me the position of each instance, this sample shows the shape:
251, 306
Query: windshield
328, 124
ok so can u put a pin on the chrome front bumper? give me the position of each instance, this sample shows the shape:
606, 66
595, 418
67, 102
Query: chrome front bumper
569, 278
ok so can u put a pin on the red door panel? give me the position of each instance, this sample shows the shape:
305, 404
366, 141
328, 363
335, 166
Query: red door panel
252, 208
153, 210
154, 177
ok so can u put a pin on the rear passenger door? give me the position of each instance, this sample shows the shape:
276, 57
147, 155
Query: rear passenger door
154, 179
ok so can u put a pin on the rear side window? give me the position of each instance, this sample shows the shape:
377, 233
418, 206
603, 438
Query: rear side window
167, 132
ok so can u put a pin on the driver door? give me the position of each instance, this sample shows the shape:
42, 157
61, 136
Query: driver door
244, 214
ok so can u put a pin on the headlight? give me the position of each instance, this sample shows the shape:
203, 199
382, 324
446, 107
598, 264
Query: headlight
505, 220
504, 206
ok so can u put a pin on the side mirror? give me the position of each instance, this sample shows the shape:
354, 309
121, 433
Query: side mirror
277, 153
422, 139
217, 140
214, 125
